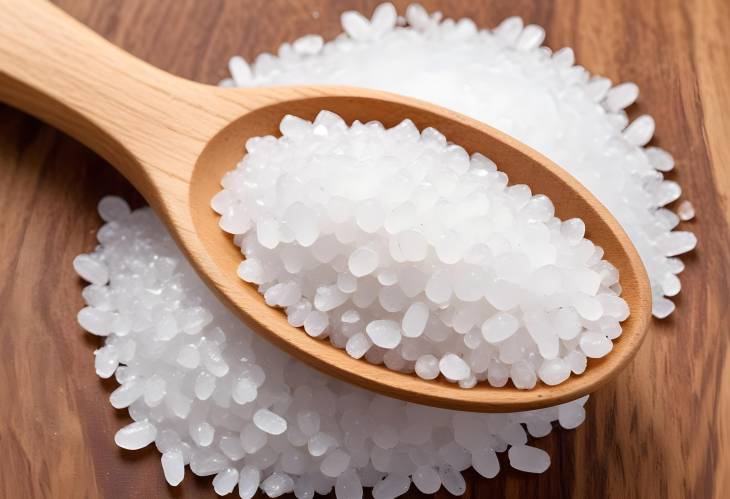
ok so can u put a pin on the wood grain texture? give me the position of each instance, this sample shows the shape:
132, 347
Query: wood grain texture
174, 139
666, 437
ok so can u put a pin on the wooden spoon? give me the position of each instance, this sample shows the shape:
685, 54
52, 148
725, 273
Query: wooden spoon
174, 139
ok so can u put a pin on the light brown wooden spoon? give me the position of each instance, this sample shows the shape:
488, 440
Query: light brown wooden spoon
174, 139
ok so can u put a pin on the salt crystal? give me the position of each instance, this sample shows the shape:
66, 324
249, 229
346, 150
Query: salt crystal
91, 270
173, 466
384, 333
95, 321
453, 367
499, 327
392, 486
136, 435
277, 484
358, 345
485, 462
686, 211
113, 208
415, 319
362, 262
348, 486
621, 96
335, 463
269, 422
426, 479
452, 480
595, 345
225, 481
530, 459
427, 367
553, 371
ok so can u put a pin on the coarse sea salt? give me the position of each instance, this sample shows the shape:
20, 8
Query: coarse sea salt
218, 400
503, 77
478, 72
484, 276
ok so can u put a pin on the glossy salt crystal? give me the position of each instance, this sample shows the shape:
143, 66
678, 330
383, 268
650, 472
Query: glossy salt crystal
392, 486
427, 367
173, 466
661, 307
113, 208
426, 479
335, 463
95, 321
660, 159
204, 385
621, 96
595, 345
686, 211
277, 484
358, 345
499, 327
225, 481
571, 415
529, 459
678, 242
415, 319
308, 422
269, 422
453, 367
523, 375
348, 486
452, 480
91, 270
362, 261
136, 435
188, 356
640, 131
553, 371
356, 25
485, 462
248, 481
384, 333
316, 323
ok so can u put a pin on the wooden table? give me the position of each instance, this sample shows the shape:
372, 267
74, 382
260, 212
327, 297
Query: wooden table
661, 430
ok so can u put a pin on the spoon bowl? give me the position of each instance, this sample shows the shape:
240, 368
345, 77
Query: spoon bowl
174, 140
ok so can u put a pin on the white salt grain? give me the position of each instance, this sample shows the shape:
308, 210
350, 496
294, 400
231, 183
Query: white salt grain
686, 211
136, 435
269, 422
90, 269
225, 481
453, 367
248, 481
384, 333
113, 208
173, 466
530, 459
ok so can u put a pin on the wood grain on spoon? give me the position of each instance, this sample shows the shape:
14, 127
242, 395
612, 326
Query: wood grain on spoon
174, 139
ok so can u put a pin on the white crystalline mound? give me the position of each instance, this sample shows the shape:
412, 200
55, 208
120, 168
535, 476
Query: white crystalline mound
398, 246
475, 74
504, 78
252, 416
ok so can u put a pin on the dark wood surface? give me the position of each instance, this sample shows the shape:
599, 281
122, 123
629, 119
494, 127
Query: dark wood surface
661, 430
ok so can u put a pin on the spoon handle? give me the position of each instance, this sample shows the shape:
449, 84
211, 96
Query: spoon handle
141, 119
